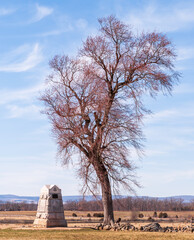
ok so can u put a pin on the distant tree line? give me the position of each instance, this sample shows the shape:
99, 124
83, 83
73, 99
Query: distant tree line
131, 204
22, 206
120, 204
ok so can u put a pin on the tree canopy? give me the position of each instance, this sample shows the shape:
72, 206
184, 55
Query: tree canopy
95, 102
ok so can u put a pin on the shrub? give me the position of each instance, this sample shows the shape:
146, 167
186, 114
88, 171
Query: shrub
160, 215
163, 215
98, 215
141, 215
118, 220
155, 214
74, 215
150, 219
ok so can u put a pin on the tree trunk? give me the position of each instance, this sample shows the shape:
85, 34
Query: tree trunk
106, 192
107, 202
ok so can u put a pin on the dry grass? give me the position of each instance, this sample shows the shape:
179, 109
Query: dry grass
122, 214
21, 229
27, 217
90, 235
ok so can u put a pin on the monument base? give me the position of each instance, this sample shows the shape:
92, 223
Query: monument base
46, 223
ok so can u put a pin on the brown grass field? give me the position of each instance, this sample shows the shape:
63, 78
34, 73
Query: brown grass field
90, 235
18, 225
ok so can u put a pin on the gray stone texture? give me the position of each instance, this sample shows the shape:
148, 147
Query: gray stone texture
50, 212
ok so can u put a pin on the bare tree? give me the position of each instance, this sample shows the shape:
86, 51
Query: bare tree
94, 102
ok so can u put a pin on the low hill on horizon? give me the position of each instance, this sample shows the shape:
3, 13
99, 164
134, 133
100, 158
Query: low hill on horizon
34, 199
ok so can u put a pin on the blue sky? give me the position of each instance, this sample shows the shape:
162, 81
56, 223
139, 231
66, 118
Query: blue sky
32, 32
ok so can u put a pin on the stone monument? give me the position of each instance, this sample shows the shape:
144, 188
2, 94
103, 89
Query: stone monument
50, 212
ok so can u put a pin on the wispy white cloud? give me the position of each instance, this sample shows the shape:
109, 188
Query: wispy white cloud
29, 111
185, 57
33, 58
185, 53
161, 116
154, 152
40, 165
185, 14
51, 33
22, 103
27, 95
170, 176
63, 24
167, 115
161, 18
6, 11
81, 24
182, 142
42, 130
184, 88
41, 12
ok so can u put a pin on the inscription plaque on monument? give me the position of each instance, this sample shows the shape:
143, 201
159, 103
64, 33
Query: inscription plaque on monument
50, 212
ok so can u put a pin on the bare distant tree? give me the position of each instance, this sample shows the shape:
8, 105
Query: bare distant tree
94, 102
